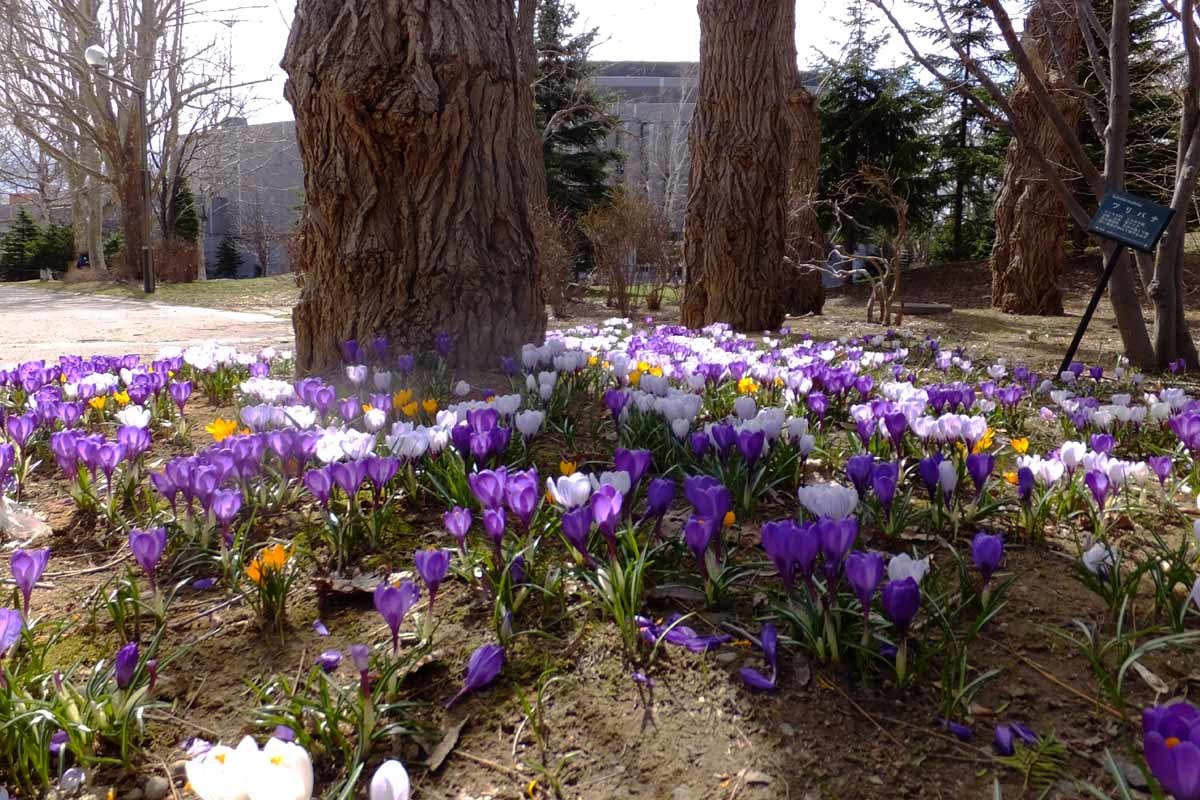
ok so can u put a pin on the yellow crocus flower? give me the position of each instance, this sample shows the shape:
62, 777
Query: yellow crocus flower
985, 444
730, 519
1011, 477
98, 403
566, 467
122, 398
402, 398
1020, 446
409, 409
221, 429
429, 406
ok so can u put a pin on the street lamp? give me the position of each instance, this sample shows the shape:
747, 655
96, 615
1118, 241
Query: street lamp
97, 58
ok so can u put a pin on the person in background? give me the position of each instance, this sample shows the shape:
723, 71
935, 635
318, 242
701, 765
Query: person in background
82, 262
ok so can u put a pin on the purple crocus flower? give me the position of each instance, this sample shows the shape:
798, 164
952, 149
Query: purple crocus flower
659, 496
393, 603
494, 523
458, 521
147, 547
180, 392
698, 535
1162, 467
329, 660
283, 733
20, 428
929, 470
1007, 734
865, 429
858, 470
615, 401
883, 479
319, 484
634, 462
901, 600
432, 565
770, 646
1098, 483
724, 436
836, 539
58, 742
895, 424
777, 542
125, 665
482, 668
381, 470
522, 495
980, 467
606, 513
443, 343
348, 476
576, 527
320, 628
488, 486
1025, 480
27, 568
700, 443
1171, 744
961, 732
750, 444
864, 571
1103, 443
11, 623
987, 549
225, 505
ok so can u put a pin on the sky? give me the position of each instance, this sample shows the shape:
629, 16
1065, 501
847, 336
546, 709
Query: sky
630, 30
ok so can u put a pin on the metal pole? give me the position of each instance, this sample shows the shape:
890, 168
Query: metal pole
1109, 266
144, 145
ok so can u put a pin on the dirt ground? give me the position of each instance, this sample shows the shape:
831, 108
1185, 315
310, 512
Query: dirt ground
697, 732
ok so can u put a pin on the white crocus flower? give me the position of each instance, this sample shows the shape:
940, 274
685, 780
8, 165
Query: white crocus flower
284, 772
382, 380
390, 782
1196, 594
1196, 528
745, 407
1099, 559
828, 500
507, 404
462, 389
374, 419
570, 491
357, 374
680, 427
905, 566
618, 479
135, 416
529, 422
947, 477
220, 774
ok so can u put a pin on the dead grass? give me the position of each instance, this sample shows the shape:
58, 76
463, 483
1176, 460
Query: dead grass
272, 295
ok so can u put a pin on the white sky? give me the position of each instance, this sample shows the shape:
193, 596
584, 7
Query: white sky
630, 30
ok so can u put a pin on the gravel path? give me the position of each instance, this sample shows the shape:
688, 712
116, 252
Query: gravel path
35, 323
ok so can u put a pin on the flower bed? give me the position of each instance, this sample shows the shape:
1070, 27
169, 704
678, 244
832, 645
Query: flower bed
875, 528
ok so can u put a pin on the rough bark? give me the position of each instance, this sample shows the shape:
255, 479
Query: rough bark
412, 123
740, 144
806, 240
1031, 225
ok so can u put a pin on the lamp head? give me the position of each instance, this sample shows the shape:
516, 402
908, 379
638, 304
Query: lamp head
96, 57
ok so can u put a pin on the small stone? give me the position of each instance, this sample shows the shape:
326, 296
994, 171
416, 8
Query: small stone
681, 793
786, 729
1133, 776
178, 769
133, 794
725, 658
156, 787
754, 777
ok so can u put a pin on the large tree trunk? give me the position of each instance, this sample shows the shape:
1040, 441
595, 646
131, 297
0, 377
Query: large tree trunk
130, 200
740, 145
804, 291
412, 123
1031, 226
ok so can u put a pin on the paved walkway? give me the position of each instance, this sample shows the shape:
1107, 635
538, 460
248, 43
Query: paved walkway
37, 323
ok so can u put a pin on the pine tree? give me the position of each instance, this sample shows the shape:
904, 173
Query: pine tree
53, 249
570, 112
16, 249
229, 260
970, 148
877, 118
186, 223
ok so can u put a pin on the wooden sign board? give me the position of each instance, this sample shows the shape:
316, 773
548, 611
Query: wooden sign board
1131, 220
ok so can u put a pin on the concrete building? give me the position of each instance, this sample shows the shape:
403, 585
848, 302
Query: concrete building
249, 185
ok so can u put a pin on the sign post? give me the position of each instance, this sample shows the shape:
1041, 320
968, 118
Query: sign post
1129, 221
